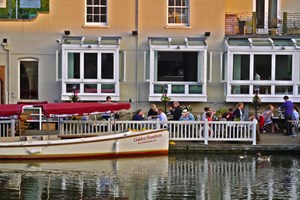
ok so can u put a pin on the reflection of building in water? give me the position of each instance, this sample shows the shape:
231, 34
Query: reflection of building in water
101, 179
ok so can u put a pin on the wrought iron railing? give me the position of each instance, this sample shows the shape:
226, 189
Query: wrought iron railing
262, 23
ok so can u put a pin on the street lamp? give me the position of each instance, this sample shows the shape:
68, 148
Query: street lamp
165, 99
256, 99
74, 89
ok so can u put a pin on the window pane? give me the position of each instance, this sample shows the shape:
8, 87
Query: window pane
195, 89
108, 88
284, 90
107, 66
96, 2
29, 80
90, 65
158, 89
240, 89
177, 89
89, 2
171, 2
177, 66
71, 88
283, 67
241, 67
103, 10
96, 18
90, 88
89, 10
89, 18
263, 66
103, 18
74, 65
97, 11
264, 89
103, 2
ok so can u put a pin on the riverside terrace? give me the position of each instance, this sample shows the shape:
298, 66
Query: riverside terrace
197, 136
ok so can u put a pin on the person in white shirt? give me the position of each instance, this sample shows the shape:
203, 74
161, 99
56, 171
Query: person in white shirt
162, 117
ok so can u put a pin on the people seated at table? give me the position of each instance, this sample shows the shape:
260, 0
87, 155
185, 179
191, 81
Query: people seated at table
265, 119
176, 110
153, 111
138, 115
206, 109
186, 116
228, 116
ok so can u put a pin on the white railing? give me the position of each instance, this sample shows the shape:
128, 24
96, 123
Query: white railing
7, 128
178, 130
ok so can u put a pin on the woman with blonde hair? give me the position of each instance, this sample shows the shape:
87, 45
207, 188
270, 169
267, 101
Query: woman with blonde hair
152, 111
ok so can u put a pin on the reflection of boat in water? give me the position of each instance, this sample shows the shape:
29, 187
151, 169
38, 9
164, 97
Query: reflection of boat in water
100, 179
77, 146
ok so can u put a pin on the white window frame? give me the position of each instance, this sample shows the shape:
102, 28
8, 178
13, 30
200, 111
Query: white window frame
90, 96
96, 23
271, 97
181, 7
58, 65
201, 79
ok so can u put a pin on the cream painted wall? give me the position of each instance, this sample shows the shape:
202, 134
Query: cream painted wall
292, 6
238, 6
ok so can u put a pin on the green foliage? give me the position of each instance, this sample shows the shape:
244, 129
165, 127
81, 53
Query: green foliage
221, 111
23, 13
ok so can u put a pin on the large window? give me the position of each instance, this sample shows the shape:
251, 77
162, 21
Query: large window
29, 79
178, 12
96, 12
177, 66
91, 67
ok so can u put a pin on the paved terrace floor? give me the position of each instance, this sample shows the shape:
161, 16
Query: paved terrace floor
270, 142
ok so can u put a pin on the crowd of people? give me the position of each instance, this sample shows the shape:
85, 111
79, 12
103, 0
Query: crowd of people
266, 119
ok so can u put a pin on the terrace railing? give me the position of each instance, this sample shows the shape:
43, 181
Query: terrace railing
205, 131
7, 128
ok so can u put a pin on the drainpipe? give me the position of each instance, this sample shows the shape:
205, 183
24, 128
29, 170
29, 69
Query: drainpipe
137, 53
6, 48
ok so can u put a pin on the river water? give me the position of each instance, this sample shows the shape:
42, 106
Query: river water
180, 176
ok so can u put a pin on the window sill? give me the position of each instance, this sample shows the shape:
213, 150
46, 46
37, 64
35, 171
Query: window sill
177, 27
96, 26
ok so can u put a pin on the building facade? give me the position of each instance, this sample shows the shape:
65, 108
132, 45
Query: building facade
203, 53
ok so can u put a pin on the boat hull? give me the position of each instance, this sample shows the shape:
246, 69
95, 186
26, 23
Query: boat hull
114, 145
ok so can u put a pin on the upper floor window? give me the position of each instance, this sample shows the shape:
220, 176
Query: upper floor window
96, 12
178, 12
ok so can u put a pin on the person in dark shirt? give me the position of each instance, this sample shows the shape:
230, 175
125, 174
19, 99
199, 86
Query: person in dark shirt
176, 110
152, 111
288, 107
138, 115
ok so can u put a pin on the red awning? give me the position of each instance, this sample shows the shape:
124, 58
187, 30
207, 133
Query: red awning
10, 109
64, 108
82, 108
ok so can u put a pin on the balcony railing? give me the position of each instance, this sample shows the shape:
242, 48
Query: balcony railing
248, 23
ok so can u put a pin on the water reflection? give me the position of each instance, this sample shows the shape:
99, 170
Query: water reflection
174, 177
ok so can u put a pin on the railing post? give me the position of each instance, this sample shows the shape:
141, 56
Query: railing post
12, 128
254, 22
254, 131
284, 22
157, 124
206, 132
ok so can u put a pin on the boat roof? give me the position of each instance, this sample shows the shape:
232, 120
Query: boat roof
64, 108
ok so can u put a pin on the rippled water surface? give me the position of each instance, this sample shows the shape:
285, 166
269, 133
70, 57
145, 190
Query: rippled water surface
164, 177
